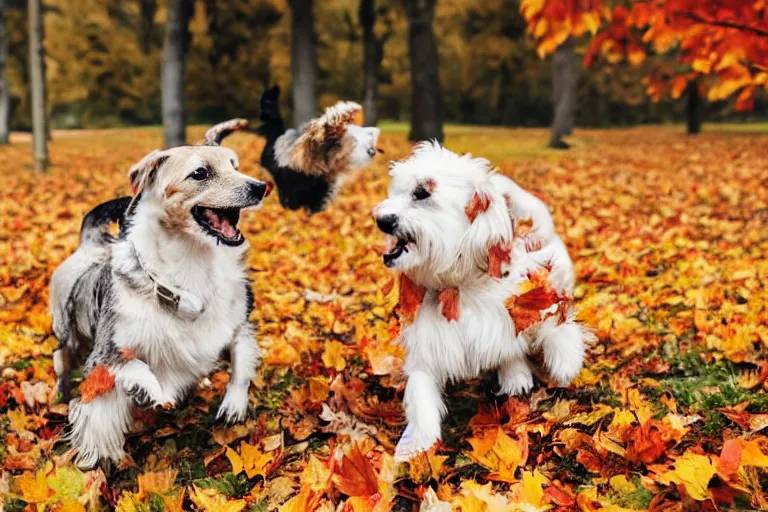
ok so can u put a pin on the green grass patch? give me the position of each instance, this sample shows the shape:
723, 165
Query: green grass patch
703, 387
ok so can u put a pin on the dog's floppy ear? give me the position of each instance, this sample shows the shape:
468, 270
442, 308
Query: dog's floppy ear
143, 173
217, 133
488, 242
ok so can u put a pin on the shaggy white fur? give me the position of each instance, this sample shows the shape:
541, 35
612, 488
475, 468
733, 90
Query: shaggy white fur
443, 215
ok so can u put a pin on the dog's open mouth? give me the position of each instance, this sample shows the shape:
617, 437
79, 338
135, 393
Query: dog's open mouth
220, 223
394, 249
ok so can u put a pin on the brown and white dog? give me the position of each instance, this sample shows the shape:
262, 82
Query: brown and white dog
156, 305
309, 164
485, 281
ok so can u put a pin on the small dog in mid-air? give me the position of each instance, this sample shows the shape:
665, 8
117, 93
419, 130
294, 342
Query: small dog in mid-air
485, 281
155, 306
309, 164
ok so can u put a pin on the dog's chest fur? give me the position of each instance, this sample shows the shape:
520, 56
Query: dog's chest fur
181, 351
483, 335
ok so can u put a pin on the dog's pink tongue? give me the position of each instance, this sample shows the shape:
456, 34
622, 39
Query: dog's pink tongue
389, 243
227, 229
213, 219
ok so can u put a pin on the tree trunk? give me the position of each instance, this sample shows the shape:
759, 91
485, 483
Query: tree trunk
174, 56
373, 54
564, 81
303, 61
37, 83
694, 107
5, 93
147, 11
426, 96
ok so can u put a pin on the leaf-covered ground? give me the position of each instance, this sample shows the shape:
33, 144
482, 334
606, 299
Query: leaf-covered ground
669, 237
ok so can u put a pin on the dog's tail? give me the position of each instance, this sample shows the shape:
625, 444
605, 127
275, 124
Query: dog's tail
272, 121
93, 230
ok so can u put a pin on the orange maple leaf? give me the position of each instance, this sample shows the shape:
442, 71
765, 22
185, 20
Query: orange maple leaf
449, 303
411, 296
479, 203
98, 382
355, 476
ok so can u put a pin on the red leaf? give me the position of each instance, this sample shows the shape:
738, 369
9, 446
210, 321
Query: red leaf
411, 296
356, 476
730, 457
497, 255
479, 203
537, 299
449, 302
644, 443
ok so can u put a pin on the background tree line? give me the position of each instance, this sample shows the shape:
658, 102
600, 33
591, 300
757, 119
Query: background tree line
103, 62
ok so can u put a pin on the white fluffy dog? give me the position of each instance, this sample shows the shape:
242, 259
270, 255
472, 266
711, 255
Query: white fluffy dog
485, 281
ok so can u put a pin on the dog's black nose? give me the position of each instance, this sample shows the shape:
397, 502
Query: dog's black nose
372, 152
258, 190
387, 223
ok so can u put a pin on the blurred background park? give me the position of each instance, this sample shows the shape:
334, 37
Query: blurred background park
115, 63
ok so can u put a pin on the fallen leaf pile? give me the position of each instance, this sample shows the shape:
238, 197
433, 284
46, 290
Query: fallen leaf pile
669, 238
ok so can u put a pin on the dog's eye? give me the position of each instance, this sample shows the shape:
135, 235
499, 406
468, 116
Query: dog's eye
420, 193
199, 174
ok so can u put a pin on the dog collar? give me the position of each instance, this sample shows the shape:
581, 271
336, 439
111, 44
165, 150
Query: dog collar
164, 295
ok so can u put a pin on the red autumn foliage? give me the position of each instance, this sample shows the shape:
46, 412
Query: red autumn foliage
525, 309
645, 443
479, 203
449, 303
98, 382
498, 254
722, 42
411, 296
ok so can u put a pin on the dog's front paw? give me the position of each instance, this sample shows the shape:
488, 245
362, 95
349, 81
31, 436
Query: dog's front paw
190, 307
413, 442
235, 405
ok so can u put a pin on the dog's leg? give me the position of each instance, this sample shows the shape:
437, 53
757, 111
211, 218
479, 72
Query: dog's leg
137, 380
62, 365
424, 410
244, 355
98, 427
515, 377
564, 346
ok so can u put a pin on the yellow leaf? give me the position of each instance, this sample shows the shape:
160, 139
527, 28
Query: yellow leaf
533, 487
318, 389
694, 472
333, 355
71, 506
590, 418
210, 500
254, 461
157, 482
503, 457
622, 485
316, 475
235, 460
34, 489
752, 455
